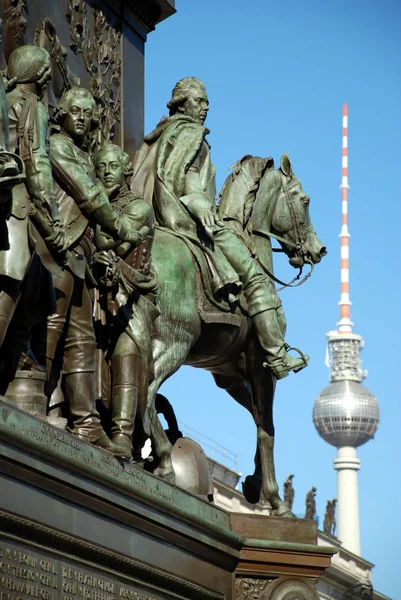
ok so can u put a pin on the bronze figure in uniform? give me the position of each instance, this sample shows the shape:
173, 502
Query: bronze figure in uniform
127, 285
11, 166
33, 202
82, 203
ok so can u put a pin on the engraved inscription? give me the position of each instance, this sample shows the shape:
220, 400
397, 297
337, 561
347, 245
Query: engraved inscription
81, 584
131, 595
23, 574
61, 441
26, 574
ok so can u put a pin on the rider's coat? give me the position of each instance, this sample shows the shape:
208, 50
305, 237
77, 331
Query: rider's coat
174, 165
177, 146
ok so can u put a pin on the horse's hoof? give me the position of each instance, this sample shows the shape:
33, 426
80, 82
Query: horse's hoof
287, 515
251, 488
283, 512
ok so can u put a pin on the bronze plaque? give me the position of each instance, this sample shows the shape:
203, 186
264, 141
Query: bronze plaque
26, 573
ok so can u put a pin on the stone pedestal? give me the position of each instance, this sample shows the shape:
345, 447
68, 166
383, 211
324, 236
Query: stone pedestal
75, 523
278, 557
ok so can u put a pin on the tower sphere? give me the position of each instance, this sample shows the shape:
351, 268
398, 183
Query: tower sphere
346, 413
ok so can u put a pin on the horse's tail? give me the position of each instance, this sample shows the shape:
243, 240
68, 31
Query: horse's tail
237, 196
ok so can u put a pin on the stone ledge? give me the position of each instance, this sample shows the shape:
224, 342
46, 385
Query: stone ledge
66, 452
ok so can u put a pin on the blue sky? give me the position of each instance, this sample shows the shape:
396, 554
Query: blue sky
277, 74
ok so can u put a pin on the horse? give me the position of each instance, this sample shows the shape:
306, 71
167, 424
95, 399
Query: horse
231, 352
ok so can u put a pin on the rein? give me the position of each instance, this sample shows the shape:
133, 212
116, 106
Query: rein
290, 283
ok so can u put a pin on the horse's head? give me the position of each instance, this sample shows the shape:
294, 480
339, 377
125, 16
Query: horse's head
287, 215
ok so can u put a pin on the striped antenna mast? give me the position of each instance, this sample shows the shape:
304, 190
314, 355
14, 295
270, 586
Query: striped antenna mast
345, 324
345, 413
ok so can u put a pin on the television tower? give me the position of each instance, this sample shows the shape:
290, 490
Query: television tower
345, 413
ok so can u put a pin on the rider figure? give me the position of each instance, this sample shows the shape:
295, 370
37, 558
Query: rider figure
184, 190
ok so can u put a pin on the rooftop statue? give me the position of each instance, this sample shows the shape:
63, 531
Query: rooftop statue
199, 324
310, 503
329, 524
289, 491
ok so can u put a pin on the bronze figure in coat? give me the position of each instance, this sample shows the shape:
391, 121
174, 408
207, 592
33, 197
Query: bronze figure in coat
127, 286
33, 222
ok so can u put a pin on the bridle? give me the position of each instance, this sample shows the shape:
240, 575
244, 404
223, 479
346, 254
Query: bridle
298, 244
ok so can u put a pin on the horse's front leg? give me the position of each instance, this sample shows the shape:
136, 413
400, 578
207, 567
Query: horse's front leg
263, 385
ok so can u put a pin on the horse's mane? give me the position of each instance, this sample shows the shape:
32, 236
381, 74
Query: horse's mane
238, 194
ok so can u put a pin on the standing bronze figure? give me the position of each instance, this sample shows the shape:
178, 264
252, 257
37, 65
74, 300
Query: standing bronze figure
127, 285
174, 170
310, 503
33, 201
11, 166
82, 203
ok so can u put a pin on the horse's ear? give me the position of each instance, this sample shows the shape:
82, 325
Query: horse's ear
269, 164
285, 165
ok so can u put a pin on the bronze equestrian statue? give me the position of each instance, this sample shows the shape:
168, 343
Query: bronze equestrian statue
184, 200
174, 172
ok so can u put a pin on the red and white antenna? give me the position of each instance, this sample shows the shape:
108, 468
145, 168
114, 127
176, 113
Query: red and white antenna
346, 400
345, 324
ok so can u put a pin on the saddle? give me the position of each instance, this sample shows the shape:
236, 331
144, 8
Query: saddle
210, 308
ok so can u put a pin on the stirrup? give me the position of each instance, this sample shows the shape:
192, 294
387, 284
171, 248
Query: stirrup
304, 357
280, 366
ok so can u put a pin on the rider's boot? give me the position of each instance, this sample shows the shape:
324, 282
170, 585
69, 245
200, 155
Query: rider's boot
79, 392
124, 400
271, 339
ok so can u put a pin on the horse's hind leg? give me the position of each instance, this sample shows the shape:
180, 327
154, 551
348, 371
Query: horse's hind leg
252, 485
232, 380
